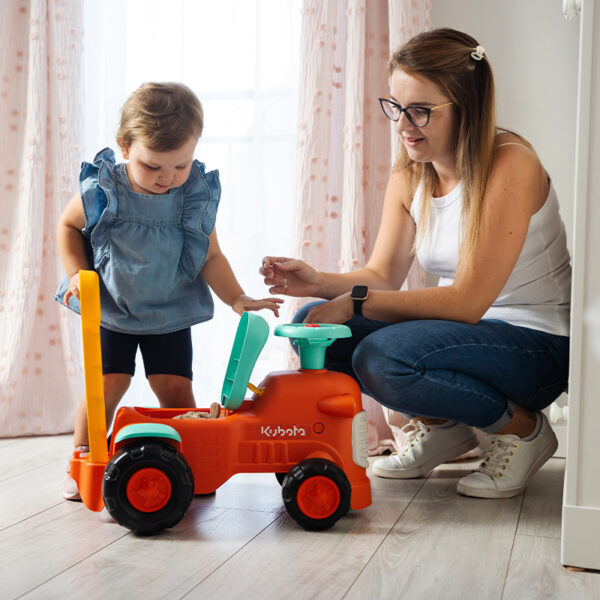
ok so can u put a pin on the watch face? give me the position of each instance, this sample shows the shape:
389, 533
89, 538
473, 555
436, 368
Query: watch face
359, 292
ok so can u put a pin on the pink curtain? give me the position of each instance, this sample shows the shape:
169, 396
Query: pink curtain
345, 143
40, 128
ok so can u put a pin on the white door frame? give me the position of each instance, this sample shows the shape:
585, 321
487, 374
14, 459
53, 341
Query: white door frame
580, 542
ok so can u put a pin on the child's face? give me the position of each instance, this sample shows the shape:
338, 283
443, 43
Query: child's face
152, 172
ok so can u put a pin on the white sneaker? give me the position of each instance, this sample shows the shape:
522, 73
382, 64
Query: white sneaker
509, 464
426, 447
70, 491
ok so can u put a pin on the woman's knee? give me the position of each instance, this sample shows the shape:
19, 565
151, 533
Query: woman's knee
383, 362
371, 364
363, 359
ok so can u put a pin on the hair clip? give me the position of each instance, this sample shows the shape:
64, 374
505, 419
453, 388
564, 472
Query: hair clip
478, 53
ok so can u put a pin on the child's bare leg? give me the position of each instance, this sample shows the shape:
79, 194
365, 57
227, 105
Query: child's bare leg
172, 391
115, 386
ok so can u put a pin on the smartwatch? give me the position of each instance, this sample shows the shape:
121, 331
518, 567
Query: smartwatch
359, 295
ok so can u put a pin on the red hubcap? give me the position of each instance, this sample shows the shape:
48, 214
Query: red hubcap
318, 497
149, 489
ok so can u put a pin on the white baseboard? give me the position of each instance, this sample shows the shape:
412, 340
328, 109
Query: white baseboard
580, 542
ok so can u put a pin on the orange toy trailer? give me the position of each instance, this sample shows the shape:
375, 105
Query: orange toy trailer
306, 426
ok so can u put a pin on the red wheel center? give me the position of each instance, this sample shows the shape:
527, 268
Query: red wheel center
318, 497
149, 489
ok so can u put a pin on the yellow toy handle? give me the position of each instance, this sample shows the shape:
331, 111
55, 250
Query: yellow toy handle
92, 364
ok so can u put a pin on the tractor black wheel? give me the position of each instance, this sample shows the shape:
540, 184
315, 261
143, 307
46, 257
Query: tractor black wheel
280, 477
147, 486
316, 493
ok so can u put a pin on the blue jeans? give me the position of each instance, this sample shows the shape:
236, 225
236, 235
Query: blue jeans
474, 374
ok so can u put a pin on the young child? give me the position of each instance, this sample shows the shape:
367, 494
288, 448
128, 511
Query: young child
148, 228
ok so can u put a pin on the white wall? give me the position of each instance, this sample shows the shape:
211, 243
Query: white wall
533, 51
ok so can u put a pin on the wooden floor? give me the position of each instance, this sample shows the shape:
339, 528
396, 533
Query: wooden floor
419, 539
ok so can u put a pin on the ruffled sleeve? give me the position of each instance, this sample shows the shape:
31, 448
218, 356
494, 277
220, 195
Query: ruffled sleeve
202, 193
98, 195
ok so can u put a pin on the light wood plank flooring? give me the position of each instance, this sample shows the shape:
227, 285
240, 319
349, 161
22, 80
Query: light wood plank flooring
419, 539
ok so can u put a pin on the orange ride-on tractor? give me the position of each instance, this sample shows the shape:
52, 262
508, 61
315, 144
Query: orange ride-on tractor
306, 426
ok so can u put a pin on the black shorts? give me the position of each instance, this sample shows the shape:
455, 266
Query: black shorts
163, 354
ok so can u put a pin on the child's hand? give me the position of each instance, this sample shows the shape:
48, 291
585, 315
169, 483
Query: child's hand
73, 289
244, 303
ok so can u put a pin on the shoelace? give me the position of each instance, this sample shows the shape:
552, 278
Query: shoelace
414, 435
498, 456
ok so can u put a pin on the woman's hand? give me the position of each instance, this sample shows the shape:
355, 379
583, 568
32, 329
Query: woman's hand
339, 310
289, 276
243, 303
73, 289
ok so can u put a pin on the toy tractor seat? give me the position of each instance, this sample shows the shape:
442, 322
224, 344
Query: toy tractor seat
250, 338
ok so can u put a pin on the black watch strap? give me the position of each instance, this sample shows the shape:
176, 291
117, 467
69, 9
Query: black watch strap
359, 295
357, 307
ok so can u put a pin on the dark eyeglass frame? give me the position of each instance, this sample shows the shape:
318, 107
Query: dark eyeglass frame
427, 109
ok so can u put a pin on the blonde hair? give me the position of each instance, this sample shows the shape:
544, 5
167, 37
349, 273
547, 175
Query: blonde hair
443, 56
161, 115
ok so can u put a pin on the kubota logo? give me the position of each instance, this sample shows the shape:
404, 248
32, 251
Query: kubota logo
282, 431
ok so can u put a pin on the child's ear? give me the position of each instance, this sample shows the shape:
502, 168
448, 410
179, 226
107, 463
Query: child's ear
124, 149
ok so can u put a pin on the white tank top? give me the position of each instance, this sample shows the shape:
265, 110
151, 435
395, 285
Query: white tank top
538, 291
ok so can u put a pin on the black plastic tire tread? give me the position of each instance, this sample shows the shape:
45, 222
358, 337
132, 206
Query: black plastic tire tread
141, 454
305, 469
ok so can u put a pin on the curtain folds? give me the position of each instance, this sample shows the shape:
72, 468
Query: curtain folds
345, 143
40, 125
344, 153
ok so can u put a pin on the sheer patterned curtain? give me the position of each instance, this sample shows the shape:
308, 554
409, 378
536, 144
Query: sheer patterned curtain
345, 143
40, 128
241, 58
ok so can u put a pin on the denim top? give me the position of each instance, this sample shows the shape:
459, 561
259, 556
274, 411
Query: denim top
148, 250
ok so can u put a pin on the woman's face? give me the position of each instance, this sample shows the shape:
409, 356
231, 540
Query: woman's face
434, 143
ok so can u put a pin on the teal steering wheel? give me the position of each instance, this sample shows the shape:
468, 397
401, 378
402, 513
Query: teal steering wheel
312, 340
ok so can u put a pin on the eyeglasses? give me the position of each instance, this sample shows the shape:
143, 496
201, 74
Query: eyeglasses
418, 115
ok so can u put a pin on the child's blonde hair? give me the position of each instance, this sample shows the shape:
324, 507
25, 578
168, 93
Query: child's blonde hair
161, 115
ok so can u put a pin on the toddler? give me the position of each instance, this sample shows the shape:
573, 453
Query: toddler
147, 227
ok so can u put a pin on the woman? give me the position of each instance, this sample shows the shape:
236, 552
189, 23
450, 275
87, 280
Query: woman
487, 348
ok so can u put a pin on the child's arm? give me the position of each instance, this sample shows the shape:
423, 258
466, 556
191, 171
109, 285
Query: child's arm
217, 272
71, 246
